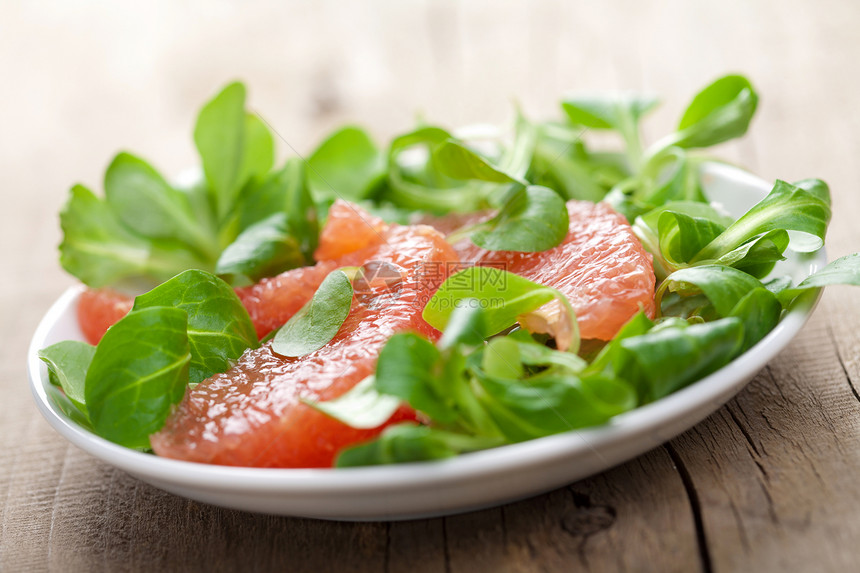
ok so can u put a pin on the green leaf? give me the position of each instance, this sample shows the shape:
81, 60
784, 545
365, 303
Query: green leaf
533, 354
283, 191
70, 410
720, 112
219, 135
68, 362
647, 228
363, 407
258, 155
501, 358
759, 310
139, 370
219, 328
556, 165
99, 250
787, 207
533, 219
419, 185
147, 204
723, 286
548, 404
264, 249
404, 443
610, 354
673, 355
758, 255
843, 271
617, 111
682, 236
458, 161
465, 326
407, 369
347, 165
96, 247
677, 179
316, 323
504, 297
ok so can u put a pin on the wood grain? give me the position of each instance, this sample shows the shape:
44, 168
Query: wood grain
768, 483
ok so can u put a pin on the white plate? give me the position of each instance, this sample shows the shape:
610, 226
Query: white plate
467, 482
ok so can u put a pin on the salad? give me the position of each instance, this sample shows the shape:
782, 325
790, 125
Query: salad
450, 292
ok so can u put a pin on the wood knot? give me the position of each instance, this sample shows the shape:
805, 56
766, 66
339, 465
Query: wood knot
588, 518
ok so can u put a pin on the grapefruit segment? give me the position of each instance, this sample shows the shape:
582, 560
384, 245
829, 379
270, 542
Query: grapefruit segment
99, 309
253, 414
601, 266
349, 237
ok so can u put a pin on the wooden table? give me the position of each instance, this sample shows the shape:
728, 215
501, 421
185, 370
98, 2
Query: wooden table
768, 483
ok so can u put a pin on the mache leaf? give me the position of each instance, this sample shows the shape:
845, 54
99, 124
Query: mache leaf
68, 362
533, 219
318, 321
219, 328
139, 370
347, 165
264, 249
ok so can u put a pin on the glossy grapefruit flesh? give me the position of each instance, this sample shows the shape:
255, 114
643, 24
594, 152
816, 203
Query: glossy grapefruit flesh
601, 266
252, 415
99, 309
348, 239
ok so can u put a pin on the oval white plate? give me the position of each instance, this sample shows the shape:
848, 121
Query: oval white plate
464, 483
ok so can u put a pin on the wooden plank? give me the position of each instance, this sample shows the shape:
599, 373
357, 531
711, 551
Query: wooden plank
775, 467
635, 517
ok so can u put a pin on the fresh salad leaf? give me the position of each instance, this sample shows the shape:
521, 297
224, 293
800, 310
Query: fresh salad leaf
758, 256
720, 112
181, 332
347, 165
723, 286
69, 409
533, 219
548, 404
404, 443
68, 362
233, 146
504, 297
682, 236
563, 164
284, 191
843, 271
264, 249
406, 370
418, 184
502, 359
146, 204
139, 370
219, 328
316, 323
98, 249
759, 310
459, 162
670, 356
788, 207
616, 111
148, 230
363, 407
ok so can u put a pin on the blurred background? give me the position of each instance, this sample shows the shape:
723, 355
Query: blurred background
82, 80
